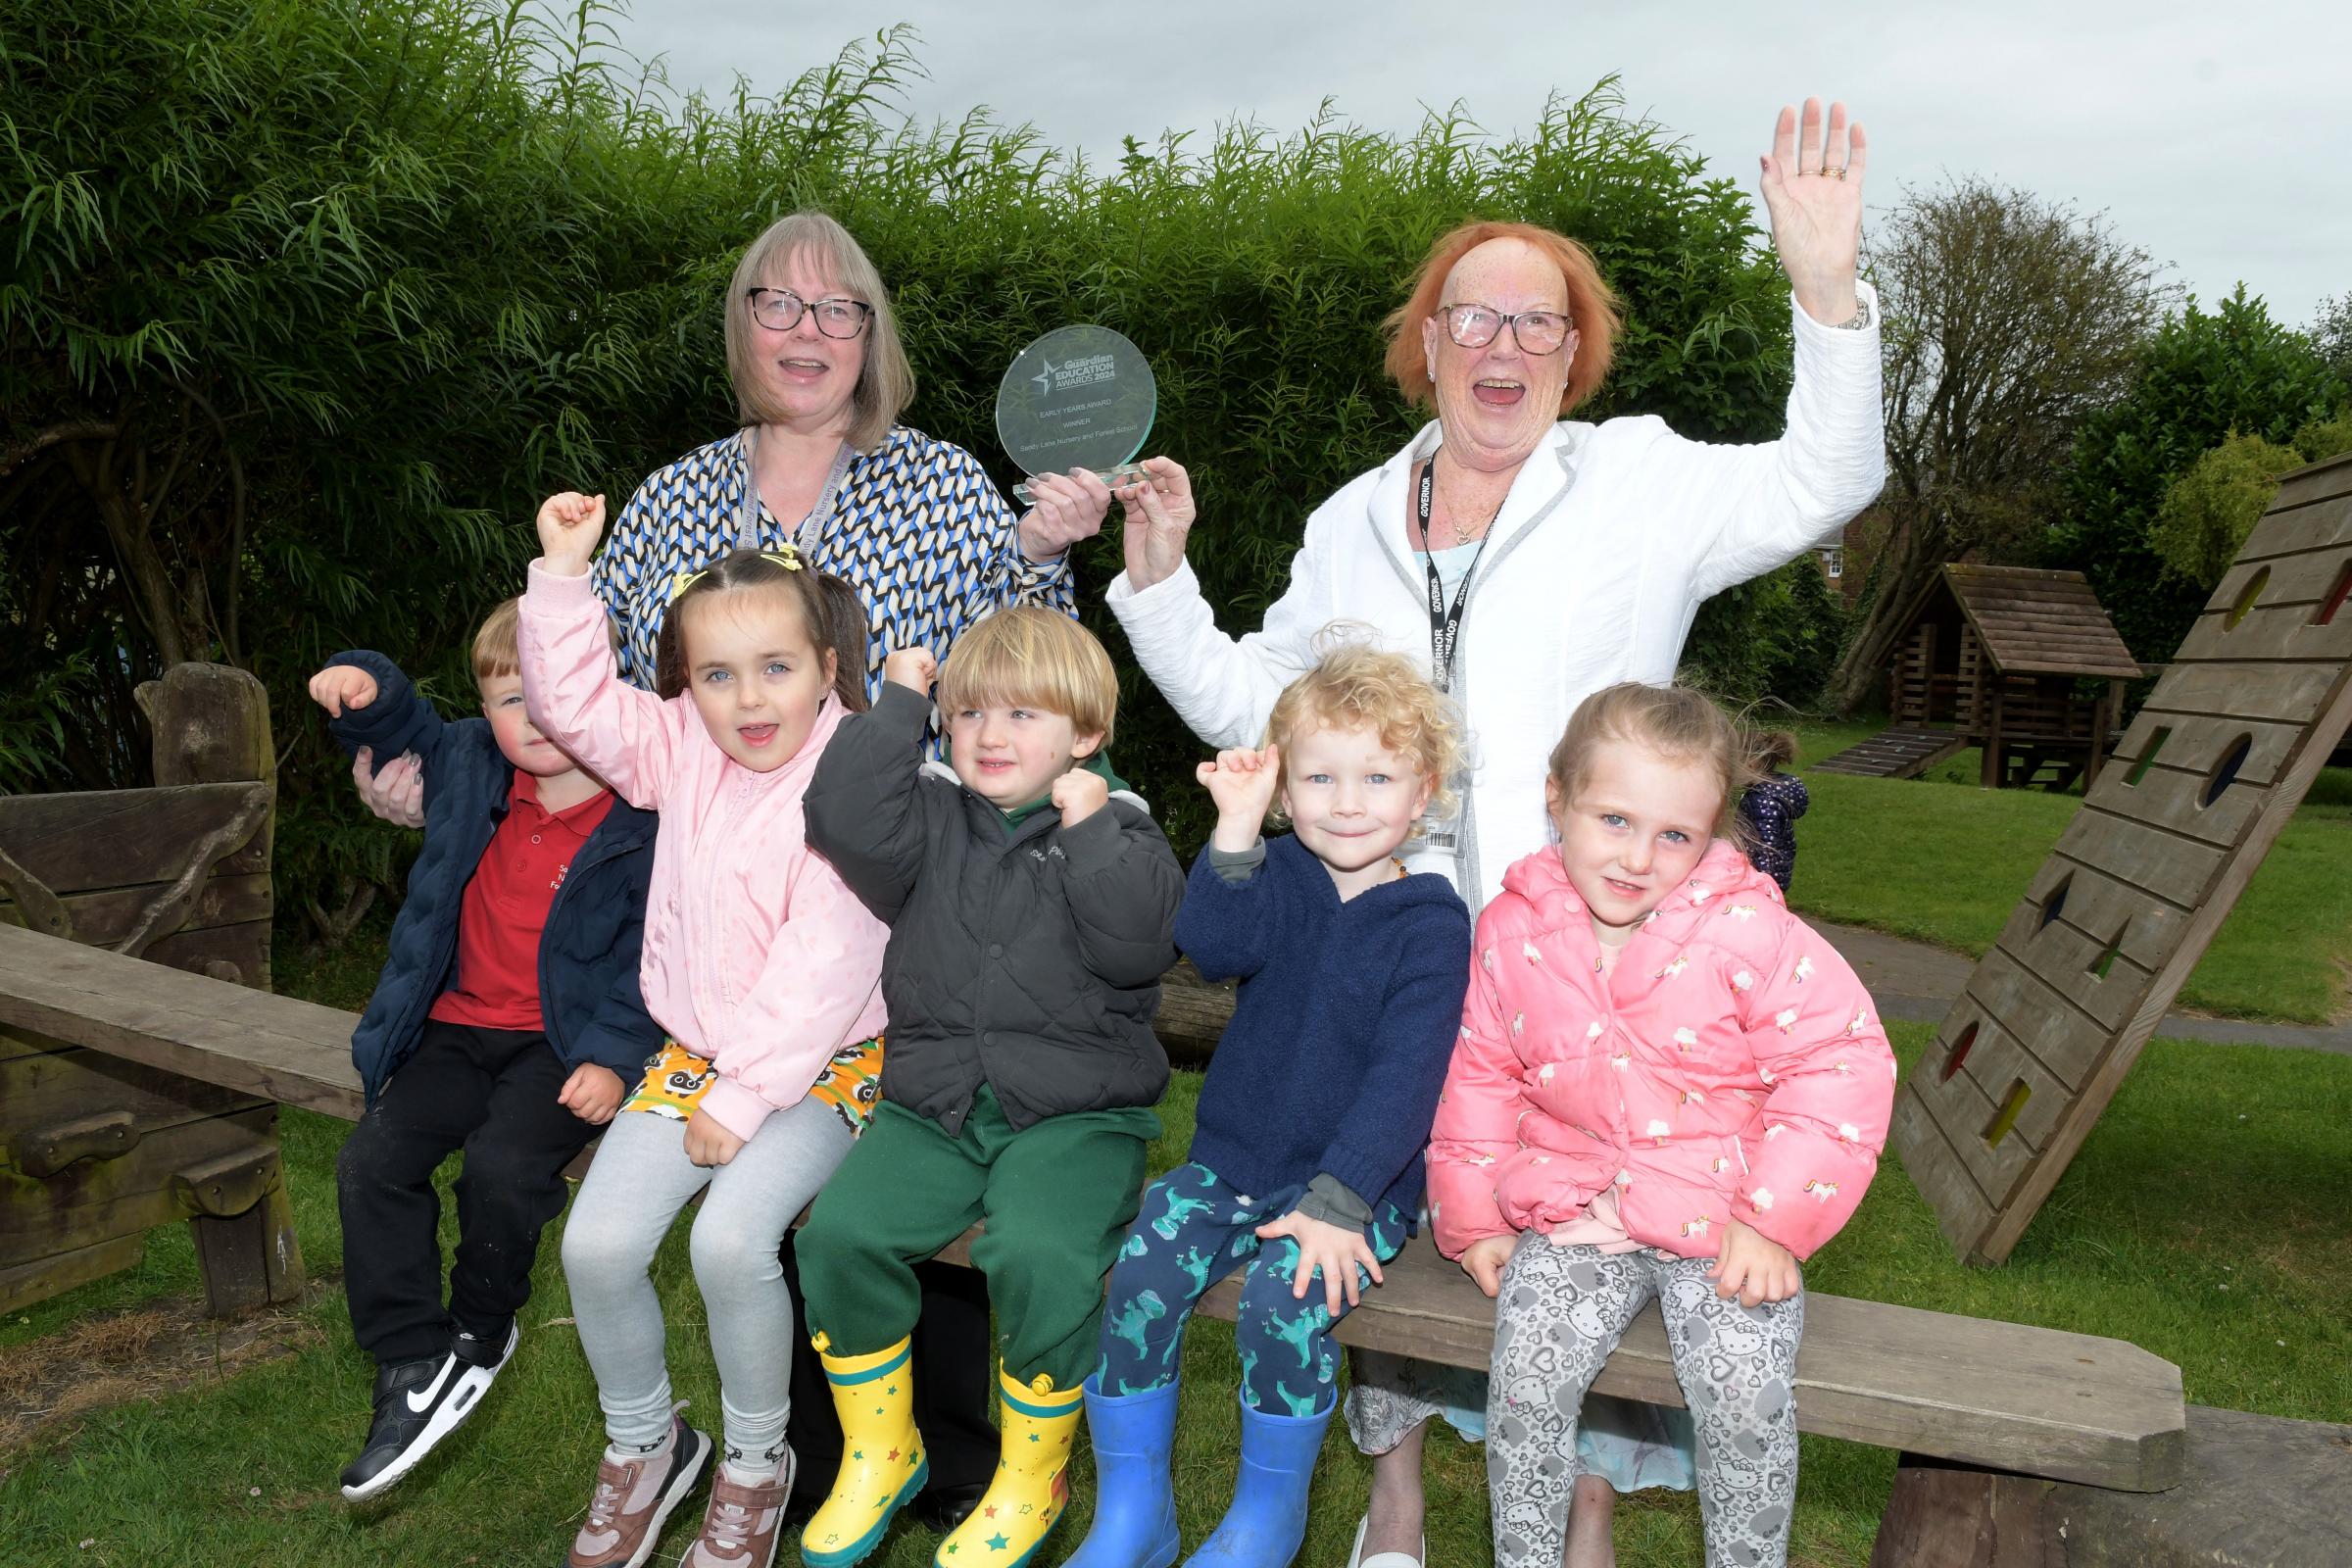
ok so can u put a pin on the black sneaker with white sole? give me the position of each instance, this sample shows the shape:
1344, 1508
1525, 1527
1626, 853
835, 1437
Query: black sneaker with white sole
417, 1403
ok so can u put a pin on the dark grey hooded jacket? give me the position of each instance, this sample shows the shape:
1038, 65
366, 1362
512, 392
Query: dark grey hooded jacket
1028, 959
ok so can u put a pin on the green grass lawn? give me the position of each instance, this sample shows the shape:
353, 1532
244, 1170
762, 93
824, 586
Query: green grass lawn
1939, 859
2204, 1220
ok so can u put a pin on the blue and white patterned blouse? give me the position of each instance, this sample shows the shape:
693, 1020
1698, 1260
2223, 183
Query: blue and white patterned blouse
916, 527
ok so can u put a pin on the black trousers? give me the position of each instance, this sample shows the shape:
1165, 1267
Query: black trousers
955, 1387
491, 1092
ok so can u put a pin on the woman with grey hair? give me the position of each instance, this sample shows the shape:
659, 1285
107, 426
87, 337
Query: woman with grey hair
913, 522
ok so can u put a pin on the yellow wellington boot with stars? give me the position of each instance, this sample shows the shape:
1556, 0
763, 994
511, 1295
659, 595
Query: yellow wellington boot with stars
882, 1461
1023, 1504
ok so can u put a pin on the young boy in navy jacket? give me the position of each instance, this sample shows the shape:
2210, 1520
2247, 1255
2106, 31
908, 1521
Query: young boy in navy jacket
507, 1023
1306, 1158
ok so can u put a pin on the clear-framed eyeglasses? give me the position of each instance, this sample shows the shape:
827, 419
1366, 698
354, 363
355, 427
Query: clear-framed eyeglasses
1474, 326
780, 310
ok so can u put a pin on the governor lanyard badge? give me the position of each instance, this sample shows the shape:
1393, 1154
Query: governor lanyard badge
1445, 620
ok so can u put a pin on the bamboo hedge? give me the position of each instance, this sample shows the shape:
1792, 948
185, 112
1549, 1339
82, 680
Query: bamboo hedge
304, 305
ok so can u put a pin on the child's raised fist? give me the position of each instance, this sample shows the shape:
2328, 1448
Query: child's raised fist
1079, 795
912, 667
341, 686
570, 526
1243, 782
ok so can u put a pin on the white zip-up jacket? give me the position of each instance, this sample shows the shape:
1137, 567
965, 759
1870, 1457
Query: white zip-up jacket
1611, 538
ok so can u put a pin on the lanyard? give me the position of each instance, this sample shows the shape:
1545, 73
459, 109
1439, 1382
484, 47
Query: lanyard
1445, 620
813, 526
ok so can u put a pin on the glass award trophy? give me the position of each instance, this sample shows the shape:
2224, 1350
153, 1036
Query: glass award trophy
1080, 397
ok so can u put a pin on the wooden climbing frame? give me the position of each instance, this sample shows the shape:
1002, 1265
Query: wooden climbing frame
2166, 838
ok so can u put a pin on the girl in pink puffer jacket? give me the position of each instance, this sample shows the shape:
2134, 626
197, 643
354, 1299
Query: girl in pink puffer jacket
1666, 1085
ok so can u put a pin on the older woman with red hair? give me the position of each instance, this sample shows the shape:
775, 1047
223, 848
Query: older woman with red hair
1535, 559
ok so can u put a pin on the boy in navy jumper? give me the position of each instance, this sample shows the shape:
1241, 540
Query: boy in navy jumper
1305, 1163
506, 1023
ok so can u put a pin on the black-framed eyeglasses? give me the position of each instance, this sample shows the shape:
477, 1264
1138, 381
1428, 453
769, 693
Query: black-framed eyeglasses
780, 310
1474, 326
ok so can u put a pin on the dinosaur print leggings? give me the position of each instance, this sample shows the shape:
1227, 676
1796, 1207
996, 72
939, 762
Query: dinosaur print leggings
1194, 1230
1558, 1313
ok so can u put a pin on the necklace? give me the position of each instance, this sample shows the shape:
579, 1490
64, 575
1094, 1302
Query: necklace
1462, 531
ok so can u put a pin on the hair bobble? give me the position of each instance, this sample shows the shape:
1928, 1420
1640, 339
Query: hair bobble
787, 556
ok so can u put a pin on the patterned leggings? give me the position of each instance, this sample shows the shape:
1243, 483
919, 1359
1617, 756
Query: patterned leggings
1559, 1314
1193, 1231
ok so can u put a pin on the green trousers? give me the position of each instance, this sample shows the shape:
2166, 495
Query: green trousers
1058, 1198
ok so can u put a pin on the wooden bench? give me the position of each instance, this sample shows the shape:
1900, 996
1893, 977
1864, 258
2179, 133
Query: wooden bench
1995, 1396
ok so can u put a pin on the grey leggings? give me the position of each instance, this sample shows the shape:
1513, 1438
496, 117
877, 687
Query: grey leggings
639, 1181
1559, 1314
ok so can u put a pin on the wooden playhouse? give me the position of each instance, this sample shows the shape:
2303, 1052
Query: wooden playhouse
2022, 663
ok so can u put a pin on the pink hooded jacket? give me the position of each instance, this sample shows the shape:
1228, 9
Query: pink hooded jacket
1729, 1067
756, 956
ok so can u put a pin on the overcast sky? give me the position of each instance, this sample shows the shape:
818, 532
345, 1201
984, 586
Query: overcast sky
2217, 138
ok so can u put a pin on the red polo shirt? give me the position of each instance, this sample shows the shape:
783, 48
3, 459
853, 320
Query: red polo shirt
497, 984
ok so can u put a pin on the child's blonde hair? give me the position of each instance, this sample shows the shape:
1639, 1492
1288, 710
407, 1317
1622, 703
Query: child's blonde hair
1354, 685
1025, 655
497, 644
1679, 722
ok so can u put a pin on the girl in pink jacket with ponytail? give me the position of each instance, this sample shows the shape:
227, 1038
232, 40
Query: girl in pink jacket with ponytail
766, 973
1666, 1087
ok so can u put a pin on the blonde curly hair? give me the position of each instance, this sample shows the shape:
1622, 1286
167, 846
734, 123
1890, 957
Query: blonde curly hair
1354, 685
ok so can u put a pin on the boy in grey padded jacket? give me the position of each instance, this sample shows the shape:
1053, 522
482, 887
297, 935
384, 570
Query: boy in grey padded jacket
1031, 904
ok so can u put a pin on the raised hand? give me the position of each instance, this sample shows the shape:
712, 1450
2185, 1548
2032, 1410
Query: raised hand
1243, 783
1812, 184
912, 667
1156, 515
570, 526
1079, 795
341, 686
1066, 508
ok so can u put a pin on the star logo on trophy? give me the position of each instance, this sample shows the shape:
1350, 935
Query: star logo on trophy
1079, 397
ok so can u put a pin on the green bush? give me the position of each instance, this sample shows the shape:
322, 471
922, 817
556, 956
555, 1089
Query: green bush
2210, 508
309, 303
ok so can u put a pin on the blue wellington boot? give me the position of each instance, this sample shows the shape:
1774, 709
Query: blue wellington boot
1268, 1517
1135, 1496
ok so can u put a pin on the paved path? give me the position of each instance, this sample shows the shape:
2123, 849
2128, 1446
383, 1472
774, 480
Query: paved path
1916, 981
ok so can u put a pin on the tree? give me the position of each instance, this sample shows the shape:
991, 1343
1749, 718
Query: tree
2331, 334
2201, 376
2008, 318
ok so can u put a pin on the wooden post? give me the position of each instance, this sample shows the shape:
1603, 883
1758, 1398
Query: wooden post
211, 725
244, 1228
1990, 775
